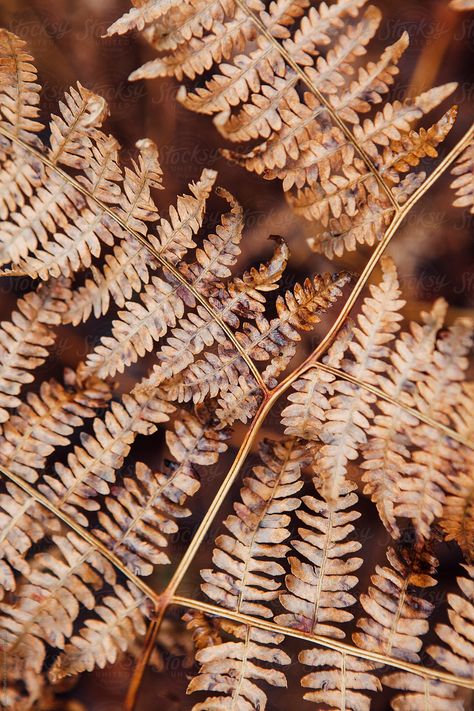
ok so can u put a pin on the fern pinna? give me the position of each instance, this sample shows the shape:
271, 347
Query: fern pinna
380, 408
289, 76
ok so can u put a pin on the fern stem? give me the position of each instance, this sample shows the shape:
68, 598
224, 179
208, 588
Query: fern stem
142, 663
140, 238
327, 642
322, 99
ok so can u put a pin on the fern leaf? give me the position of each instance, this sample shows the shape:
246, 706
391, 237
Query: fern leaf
141, 325
242, 296
46, 421
458, 514
458, 654
47, 605
142, 512
425, 480
91, 467
129, 266
245, 582
351, 409
204, 629
387, 450
273, 340
119, 618
303, 418
318, 587
229, 669
19, 90
23, 523
26, 339
342, 681
291, 87
397, 611
464, 180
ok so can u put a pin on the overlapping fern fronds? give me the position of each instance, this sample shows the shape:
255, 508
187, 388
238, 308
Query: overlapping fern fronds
379, 406
291, 77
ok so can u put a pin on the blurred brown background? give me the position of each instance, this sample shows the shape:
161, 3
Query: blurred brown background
434, 248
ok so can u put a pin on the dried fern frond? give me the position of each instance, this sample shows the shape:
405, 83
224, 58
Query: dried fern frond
140, 514
458, 515
129, 266
463, 184
343, 681
46, 606
23, 523
458, 654
83, 522
92, 466
45, 422
25, 340
291, 75
229, 669
410, 468
246, 580
119, 618
318, 587
397, 612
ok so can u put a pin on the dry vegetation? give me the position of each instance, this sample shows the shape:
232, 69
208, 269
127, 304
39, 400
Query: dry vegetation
294, 447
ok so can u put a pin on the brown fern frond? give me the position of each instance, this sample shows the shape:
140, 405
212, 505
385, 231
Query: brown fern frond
45, 422
141, 325
397, 611
410, 469
458, 653
245, 582
463, 184
341, 683
229, 669
25, 339
48, 603
204, 629
244, 295
129, 265
23, 523
83, 521
19, 90
119, 618
318, 587
273, 340
291, 75
458, 515
425, 480
92, 466
351, 409
387, 450
141, 513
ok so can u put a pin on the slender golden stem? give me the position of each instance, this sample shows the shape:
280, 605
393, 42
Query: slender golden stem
322, 99
140, 238
140, 667
327, 642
